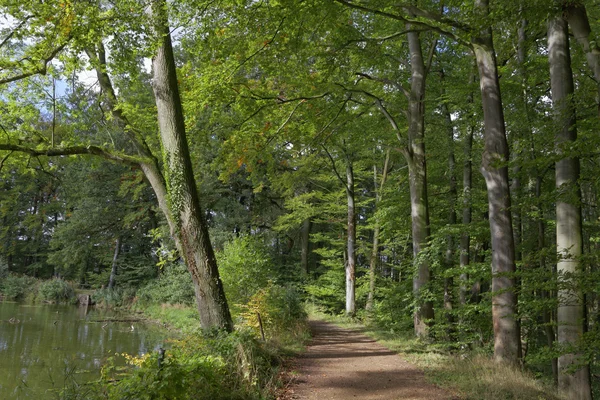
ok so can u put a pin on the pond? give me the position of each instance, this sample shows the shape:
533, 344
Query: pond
44, 348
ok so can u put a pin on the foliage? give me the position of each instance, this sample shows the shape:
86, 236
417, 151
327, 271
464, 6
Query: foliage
56, 290
114, 298
211, 366
173, 286
281, 312
246, 266
17, 287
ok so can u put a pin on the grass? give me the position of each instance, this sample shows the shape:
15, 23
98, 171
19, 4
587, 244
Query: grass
469, 376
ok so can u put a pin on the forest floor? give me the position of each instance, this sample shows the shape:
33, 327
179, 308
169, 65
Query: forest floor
341, 364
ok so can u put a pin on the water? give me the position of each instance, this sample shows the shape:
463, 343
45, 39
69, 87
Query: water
44, 348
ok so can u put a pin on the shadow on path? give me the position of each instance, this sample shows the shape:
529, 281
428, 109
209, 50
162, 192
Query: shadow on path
344, 364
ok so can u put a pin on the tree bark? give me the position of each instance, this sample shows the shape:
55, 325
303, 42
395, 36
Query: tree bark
417, 171
113, 270
182, 194
495, 171
351, 260
580, 25
571, 314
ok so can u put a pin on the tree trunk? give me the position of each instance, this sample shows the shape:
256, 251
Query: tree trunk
113, 270
182, 195
465, 239
417, 170
495, 171
570, 316
305, 243
351, 260
376, 229
453, 195
580, 25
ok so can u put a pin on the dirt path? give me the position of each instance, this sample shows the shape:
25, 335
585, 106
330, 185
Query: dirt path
342, 364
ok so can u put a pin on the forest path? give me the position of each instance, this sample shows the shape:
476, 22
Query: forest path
342, 364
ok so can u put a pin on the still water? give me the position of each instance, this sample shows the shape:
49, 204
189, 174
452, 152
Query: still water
44, 348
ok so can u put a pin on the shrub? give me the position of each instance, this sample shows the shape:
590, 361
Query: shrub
212, 366
173, 286
17, 287
245, 266
280, 308
113, 298
56, 290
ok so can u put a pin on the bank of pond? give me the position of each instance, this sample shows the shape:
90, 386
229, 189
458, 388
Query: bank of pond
45, 348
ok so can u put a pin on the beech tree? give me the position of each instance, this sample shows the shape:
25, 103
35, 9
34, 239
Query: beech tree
174, 187
570, 316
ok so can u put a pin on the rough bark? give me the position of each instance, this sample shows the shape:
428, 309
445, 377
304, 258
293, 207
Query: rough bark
495, 171
183, 201
570, 314
417, 170
351, 249
113, 269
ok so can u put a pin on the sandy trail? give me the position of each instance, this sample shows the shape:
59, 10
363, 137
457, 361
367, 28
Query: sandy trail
342, 364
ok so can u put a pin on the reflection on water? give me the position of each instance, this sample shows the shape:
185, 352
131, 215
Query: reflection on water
44, 347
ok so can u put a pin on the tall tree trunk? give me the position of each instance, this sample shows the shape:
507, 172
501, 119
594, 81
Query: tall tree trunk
465, 239
546, 295
376, 229
113, 270
417, 170
570, 316
580, 25
495, 171
453, 196
183, 202
351, 260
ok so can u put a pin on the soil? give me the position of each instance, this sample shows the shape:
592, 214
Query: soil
342, 364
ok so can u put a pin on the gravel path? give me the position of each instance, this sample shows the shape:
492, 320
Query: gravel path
342, 364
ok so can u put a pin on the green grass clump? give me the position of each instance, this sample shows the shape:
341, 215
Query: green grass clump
56, 290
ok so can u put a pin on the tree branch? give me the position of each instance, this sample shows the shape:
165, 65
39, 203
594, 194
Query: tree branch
40, 70
74, 150
420, 13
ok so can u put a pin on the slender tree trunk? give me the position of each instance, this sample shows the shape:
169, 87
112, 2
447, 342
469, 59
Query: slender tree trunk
546, 295
305, 243
453, 196
113, 270
376, 229
571, 314
495, 171
183, 202
351, 261
415, 156
580, 25
465, 239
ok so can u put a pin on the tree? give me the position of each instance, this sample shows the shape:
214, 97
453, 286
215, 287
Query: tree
175, 190
571, 313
